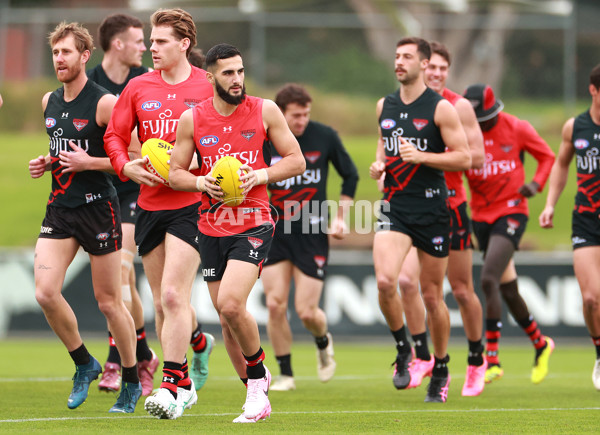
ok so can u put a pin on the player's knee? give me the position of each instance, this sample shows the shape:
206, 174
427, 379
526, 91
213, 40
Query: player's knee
231, 311
387, 286
431, 302
172, 300
45, 297
108, 307
590, 301
462, 295
489, 285
277, 307
307, 314
408, 285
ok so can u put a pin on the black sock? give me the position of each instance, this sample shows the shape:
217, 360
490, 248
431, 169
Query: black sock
475, 357
322, 342
113, 352
402, 343
130, 374
80, 356
440, 368
254, 365
596, 341
142, 351
421, 348
285, 364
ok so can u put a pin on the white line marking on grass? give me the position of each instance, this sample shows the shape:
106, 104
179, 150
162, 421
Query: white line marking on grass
390, 411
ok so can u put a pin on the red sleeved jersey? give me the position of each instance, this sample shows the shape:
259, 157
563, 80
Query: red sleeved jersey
457, 193
241, 135
154, 107
495, 187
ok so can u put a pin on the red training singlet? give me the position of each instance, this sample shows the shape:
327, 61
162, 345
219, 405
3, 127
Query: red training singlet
241, 135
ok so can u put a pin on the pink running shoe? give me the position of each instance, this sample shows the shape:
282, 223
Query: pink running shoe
257, 406
475, 380
111, 378
146, 370
418, 369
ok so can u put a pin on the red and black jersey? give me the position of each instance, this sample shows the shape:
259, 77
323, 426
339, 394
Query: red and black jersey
586, 141
495, 187
320, 145
76, 120
98, 75
241, 135
414, 189
457, 193
154, 107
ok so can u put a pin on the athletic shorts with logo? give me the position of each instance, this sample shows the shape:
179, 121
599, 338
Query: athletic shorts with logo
128, 203
511, 226
308, 252
250, 246
585, 229
460, 230
152, 226
96, 226
432, 238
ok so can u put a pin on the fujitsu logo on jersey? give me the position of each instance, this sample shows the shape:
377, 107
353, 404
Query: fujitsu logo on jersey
247, 157
310, 176
392, 144
58, 144
590, 162
162, 127
493, 167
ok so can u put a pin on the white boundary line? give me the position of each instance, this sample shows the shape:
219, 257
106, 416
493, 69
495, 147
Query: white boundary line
414, 411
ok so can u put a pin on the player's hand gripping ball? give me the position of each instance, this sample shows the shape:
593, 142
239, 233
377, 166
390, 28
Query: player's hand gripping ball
157, 162
227, 173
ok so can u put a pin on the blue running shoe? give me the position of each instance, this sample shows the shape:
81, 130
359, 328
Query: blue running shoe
84, 375
130, 394
199, 370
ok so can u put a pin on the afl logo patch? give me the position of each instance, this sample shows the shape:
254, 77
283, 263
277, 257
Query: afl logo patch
437, 240
102, 236
386, 124
149, 106
50, 122
580, 144
208, 141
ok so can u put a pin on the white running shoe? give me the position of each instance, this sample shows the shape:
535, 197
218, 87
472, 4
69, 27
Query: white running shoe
163, 405
187, 398
325, 362
596, 375
283, 383
257, 406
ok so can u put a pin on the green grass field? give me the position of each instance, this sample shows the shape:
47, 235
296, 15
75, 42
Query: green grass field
35, 382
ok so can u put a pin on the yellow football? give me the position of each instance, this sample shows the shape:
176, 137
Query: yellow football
227, 173
157, 164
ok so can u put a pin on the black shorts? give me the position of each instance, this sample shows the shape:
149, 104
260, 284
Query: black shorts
585, 229
250, 246
96, 226
152, 226
511, 226
128, 203
432, 238
308, 252
460, 232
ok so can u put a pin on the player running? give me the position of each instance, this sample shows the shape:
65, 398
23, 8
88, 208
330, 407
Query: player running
500, 213
234, 241
460, 259
580, 140
298, 255
83, 210
420, 136
166, 227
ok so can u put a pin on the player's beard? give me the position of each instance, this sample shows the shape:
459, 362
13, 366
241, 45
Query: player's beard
227, 97
72, 74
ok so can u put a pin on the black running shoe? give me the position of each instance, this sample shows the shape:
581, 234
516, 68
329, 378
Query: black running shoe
401, 374
437, 390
